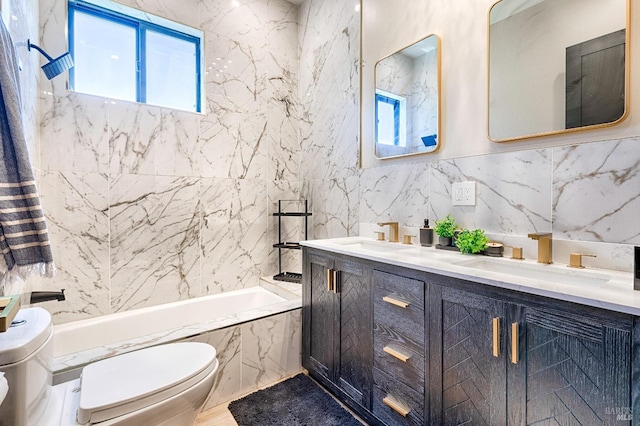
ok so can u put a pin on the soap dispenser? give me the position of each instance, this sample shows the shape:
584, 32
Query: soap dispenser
426, 235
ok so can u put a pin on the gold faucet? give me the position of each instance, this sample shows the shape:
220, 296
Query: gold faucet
393, 230
545, 253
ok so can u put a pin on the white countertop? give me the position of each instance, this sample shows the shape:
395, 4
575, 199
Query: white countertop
600, 288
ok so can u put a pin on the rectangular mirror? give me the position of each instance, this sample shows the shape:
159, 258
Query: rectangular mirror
407, 100
557, 66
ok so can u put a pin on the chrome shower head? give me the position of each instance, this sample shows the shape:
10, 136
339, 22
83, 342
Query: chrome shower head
55, 66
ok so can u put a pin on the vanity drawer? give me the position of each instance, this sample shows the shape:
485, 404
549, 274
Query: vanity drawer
399, 307
395, 403
399, 358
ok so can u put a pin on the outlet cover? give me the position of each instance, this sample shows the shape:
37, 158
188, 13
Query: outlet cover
463, 193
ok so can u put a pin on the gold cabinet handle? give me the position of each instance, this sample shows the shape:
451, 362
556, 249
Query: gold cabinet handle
402, 357
514, 343
336, 280
396, 406
496, 336
329, 280
396, 302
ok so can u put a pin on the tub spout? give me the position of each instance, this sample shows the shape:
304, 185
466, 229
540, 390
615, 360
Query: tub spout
43, 296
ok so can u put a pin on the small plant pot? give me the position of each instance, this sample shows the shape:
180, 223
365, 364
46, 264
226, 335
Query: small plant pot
445, 241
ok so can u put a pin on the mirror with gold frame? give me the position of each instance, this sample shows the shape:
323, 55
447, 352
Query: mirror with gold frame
407, 100
557, 66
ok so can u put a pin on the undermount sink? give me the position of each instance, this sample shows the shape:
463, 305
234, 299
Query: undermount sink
378, 246
538, 271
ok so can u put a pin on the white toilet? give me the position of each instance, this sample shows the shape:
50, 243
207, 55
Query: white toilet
162, 385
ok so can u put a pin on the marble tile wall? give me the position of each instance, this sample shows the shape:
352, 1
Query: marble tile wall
149, 205
329, 99
585, 194
255, 354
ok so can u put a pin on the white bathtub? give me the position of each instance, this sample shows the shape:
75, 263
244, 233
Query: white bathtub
84, 341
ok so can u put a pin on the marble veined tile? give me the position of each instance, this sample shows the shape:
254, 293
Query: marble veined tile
282, 119
182, 11
334, 207
513, 191
76, 208
595, 191
241, 20
328, 75
228, 383
396, 193
271, 349
233, 134
74, 133
154, 240
282, 28
150, 140
234, 233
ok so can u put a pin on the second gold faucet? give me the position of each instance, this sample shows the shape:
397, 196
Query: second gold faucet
393, 230
545, 246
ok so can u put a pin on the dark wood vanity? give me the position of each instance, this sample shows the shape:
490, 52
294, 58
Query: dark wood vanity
401, 346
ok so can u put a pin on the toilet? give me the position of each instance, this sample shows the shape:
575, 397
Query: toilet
163, 385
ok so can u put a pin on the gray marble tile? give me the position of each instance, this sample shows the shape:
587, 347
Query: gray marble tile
228, 384
78, 221
513, 191
233, 134
153, 141
74, 133
234, 233
595, 192
395, 193
154, 240
271, 349
282, 119
182, 11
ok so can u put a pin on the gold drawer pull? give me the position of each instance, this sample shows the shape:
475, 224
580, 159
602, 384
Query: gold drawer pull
396, 406
396, 302
514, 343
496, 336
402, 357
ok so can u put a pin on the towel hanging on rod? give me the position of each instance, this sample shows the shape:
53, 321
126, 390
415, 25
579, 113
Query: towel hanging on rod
24, 240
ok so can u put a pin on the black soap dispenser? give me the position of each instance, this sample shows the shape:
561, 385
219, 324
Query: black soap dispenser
636, 268
426, 235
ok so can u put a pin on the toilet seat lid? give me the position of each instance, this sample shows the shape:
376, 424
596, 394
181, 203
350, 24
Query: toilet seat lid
129, 382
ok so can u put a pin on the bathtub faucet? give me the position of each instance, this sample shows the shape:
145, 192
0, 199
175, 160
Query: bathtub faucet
43, 296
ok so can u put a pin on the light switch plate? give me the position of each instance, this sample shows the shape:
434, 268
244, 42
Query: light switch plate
463, 193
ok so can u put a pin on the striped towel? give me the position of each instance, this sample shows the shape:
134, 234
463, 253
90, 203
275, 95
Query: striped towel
24, 241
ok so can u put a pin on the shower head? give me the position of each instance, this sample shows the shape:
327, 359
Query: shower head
55, 66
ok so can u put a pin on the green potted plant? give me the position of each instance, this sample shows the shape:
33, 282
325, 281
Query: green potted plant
472, 241
445, 228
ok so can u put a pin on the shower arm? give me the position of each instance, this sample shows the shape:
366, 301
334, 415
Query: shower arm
30, 45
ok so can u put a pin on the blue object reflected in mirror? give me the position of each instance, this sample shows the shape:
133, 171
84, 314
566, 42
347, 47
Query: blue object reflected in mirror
407, 100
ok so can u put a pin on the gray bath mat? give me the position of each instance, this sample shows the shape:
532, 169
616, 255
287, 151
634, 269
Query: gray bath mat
297, 401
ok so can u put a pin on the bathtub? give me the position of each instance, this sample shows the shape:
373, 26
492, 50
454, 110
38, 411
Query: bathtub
79, 343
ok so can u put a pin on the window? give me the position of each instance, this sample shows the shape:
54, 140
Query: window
390, 119
123, 53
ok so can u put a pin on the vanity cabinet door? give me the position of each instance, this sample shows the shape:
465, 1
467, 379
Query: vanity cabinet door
570, 369
467, 381
336, 314
355, 342
318, 316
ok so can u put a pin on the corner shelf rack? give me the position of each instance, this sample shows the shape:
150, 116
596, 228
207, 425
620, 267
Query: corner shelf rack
295, 277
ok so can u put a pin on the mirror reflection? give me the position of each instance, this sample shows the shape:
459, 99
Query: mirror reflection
407, 100
556, 66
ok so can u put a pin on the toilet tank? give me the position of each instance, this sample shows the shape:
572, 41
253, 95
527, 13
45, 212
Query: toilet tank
25, 359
